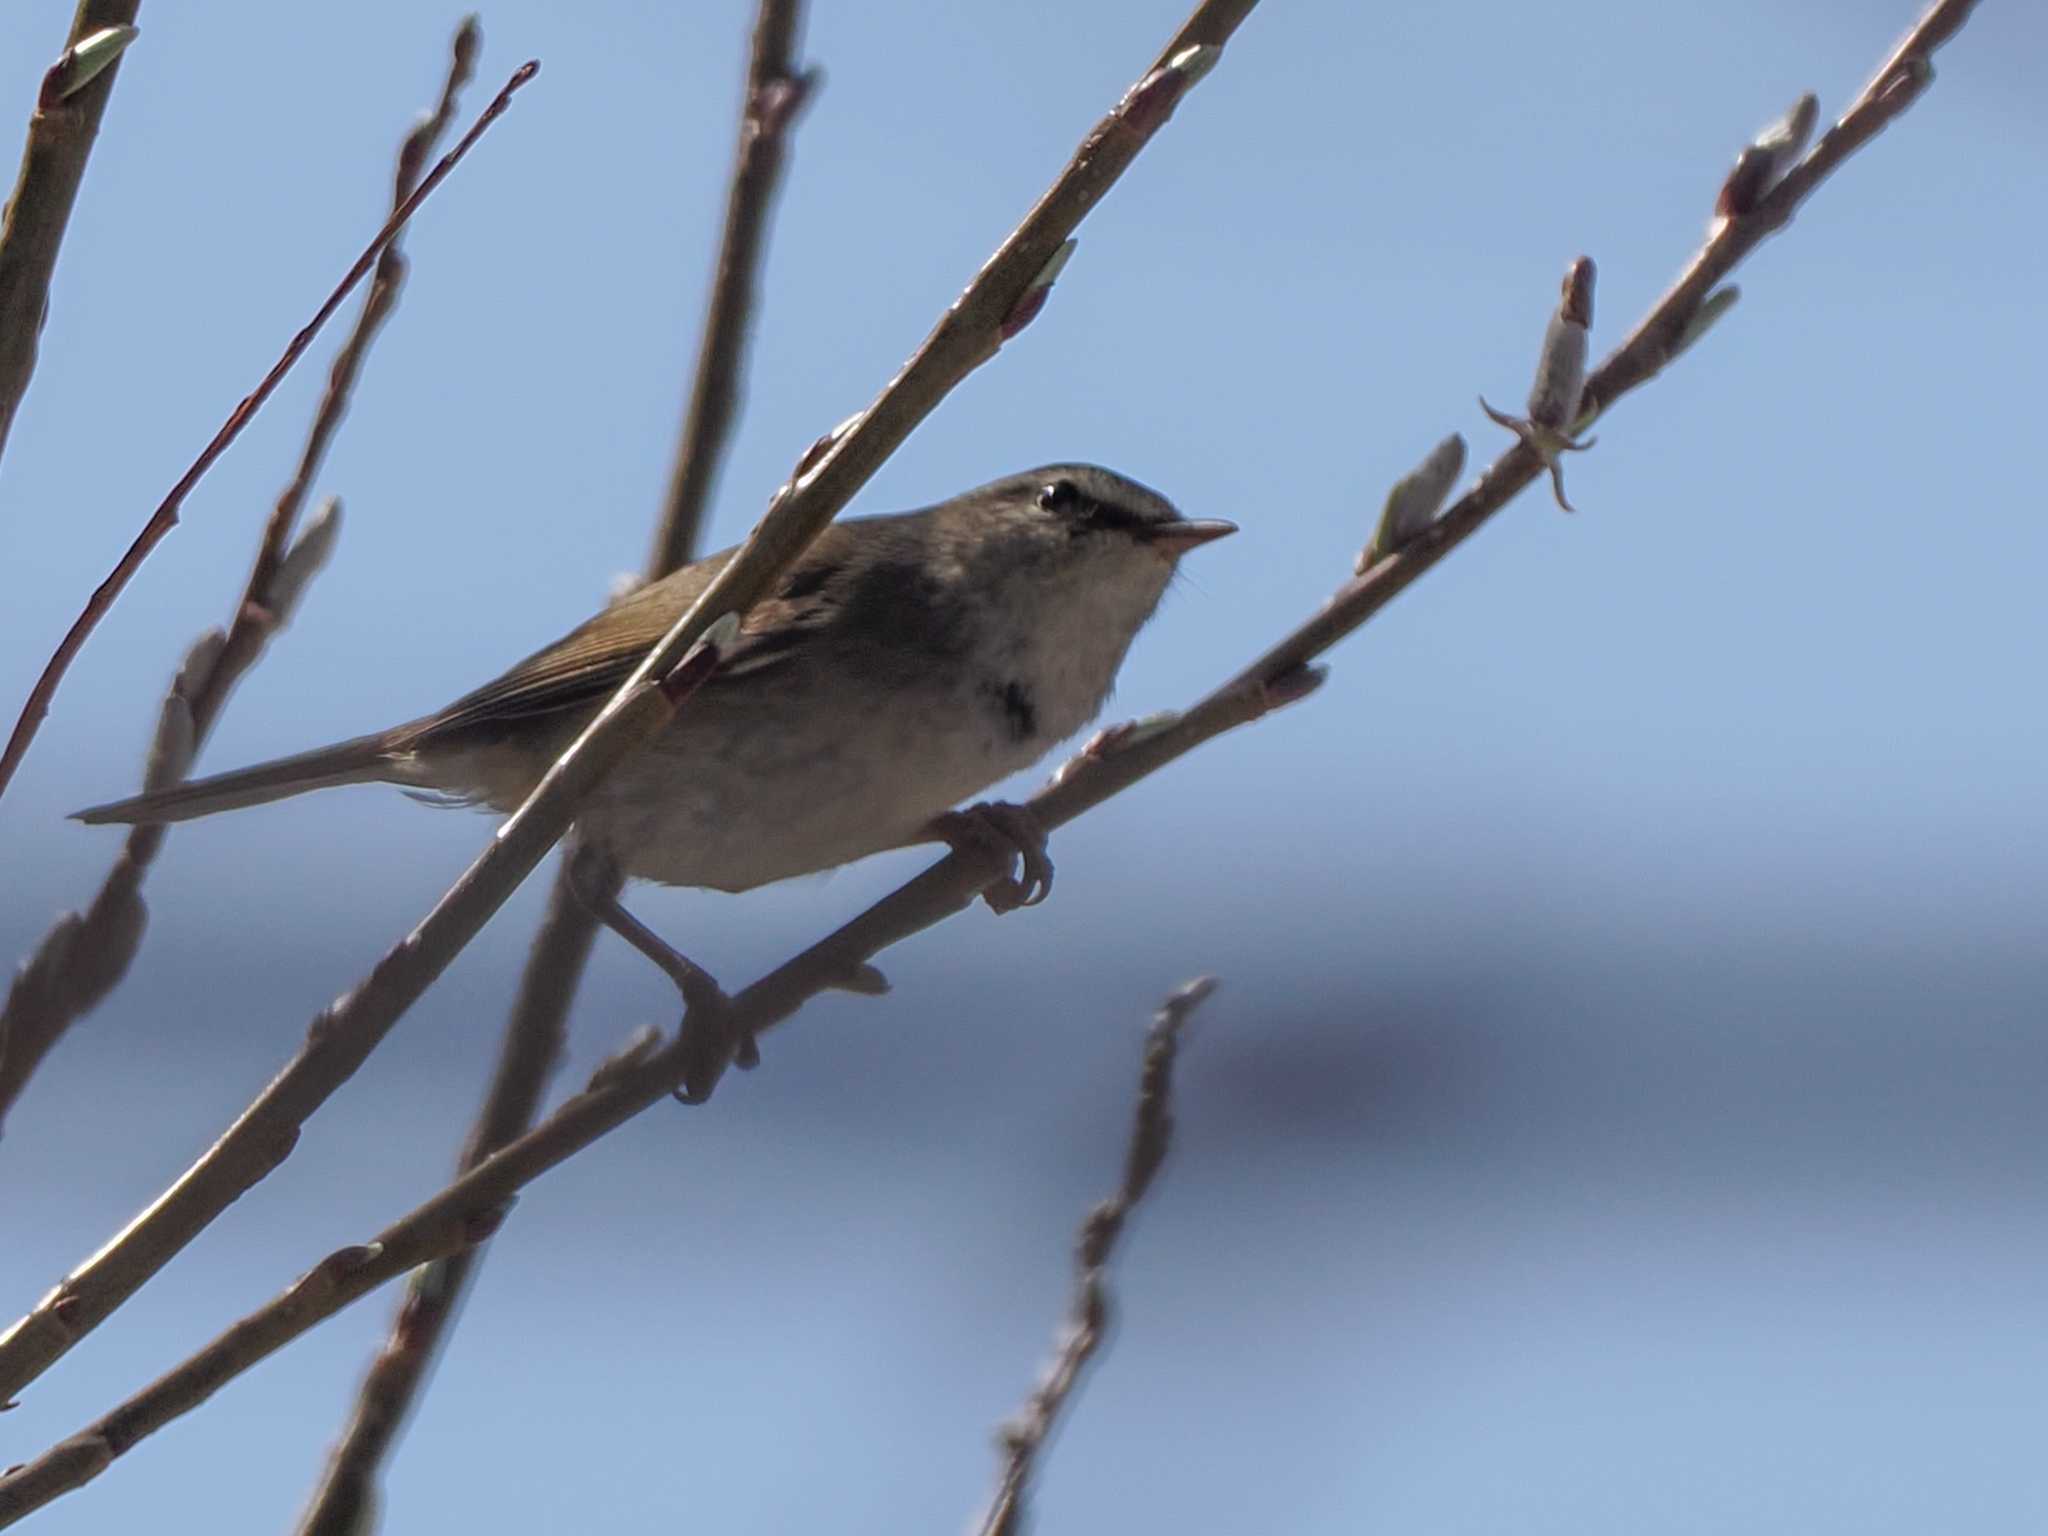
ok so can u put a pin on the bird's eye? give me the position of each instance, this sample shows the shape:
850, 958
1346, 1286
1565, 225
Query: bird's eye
1060, 496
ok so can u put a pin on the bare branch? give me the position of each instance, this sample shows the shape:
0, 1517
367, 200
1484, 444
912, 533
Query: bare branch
51, 992
1088, 1320
775, 95
330, 1285
446, 1225
342, 1035
254, 617
647, 1071
60, 138
165, 517
535, 1034
537, 1028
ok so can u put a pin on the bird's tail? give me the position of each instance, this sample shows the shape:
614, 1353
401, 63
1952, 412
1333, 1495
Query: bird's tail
364, 760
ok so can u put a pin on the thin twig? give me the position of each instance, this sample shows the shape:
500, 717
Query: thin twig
343, 1035
60, 138
82, 958
448, 1224
165, 517
646, 1072
536, 1030
247, 634
347, 1495
1087, 1321
775, 94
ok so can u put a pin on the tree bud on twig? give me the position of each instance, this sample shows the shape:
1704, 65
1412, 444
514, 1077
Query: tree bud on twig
170, 753
1561, 368
1915, 72
1291, 686
814, 455
638, 1047
1033, 298
303, 561
340, 1264
196, 670
1766, 158
82, 63
1114, 738
1152, 101
702, 659
775, 105
1413, 503
863, 981
1712, 308
1554, 398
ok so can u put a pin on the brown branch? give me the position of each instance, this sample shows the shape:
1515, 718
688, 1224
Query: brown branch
450, 1223
83, 957
60, 137
343, 1035
165, 517
536, 1031
1151, 1131
647, 1071
775, 95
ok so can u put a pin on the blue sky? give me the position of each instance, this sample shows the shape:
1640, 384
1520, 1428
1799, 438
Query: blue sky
1621, 1109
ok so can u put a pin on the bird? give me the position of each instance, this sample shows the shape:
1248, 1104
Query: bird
904, 664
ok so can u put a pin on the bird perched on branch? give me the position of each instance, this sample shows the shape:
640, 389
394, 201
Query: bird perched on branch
904, 664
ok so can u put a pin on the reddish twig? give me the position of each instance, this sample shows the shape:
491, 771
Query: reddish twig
166, 515
60, 139
1088, 1319
537, 1027
83, 957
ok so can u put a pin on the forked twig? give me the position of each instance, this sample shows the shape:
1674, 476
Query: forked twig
85, 955
342, 1036
646, 1071
347, 1495
536, 1029
1088, 1319
165, 517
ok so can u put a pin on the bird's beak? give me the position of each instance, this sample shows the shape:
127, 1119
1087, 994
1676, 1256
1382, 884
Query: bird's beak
1178, 537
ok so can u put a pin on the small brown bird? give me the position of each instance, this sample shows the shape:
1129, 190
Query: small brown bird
905, 664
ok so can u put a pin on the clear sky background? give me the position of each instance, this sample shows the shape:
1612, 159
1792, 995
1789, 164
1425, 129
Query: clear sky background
1622, 1111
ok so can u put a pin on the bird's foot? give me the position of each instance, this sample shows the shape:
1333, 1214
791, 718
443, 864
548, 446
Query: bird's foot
714, 1045
1012, 831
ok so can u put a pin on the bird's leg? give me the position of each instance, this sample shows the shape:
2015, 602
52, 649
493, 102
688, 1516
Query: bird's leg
593, 874
594, 877
1009, 829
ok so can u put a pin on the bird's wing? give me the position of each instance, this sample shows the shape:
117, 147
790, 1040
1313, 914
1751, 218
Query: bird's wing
587, 665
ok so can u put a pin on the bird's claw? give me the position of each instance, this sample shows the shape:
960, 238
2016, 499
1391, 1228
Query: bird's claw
715, 1045
1009, 829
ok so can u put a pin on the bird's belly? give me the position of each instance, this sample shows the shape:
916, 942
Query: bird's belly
729, 800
